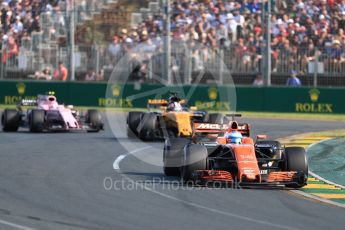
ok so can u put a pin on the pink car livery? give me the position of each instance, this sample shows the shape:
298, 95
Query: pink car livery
49, 116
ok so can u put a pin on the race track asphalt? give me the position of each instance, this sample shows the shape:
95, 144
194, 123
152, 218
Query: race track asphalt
63, 180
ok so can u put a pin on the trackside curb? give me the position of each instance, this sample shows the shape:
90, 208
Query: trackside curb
325, 180
318, 188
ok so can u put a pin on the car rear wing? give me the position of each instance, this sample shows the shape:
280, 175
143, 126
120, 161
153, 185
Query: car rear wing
27, 102
157, 102
208, 132
161, 104
209, 128
233, 115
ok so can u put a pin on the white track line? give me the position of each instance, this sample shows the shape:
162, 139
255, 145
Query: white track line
116, 164
325, 180
320, 199
228, 214
17, 226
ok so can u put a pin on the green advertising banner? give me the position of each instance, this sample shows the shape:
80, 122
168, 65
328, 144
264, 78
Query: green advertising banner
209, 97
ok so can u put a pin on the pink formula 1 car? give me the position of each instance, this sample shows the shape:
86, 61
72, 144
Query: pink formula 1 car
49, 116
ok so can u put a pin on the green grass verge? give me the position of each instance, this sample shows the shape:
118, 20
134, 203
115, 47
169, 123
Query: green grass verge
245, 114
295, 116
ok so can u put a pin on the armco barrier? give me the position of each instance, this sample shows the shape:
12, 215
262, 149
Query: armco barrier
272, 99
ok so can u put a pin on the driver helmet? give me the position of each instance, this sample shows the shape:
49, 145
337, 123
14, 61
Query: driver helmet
235, 137
174, 99
175, 106
52, 103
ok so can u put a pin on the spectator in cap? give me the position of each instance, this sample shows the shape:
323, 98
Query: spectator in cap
293, 80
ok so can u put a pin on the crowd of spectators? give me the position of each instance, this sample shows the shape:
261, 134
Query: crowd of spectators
26, 24
300, 31
237, 26
19, 18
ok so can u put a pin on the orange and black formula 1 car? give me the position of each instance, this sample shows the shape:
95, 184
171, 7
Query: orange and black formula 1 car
167, 118
221, 153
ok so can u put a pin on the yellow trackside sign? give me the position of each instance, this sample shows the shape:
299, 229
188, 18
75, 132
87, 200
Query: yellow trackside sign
313, 105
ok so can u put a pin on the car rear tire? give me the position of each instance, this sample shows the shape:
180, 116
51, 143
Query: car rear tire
194, 158
36, 121
133, 120
10, 120
147, 126
296, 160
173, 155
94, 119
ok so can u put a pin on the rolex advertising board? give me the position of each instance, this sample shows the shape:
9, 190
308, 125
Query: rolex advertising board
204, 97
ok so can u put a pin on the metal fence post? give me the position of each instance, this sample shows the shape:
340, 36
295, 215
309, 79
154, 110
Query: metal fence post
71, 14
96, 51
316, 62
150, 70
268, 63
2, 61
221, 67
167, 44
187, 70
